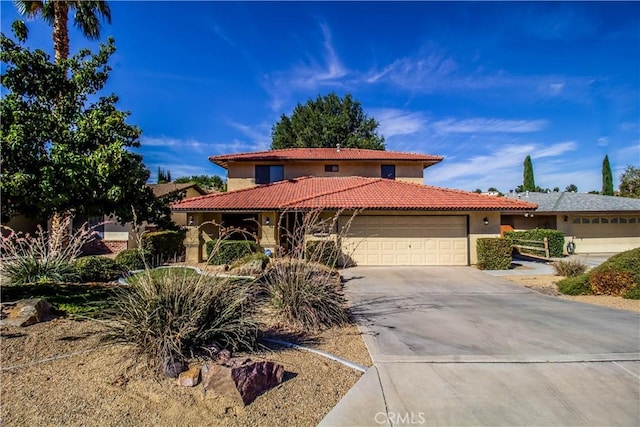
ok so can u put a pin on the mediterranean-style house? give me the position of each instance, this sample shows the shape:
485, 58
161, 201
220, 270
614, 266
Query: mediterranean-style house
595, 223
399, 221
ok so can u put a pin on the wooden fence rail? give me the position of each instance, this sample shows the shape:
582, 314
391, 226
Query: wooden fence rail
527, 246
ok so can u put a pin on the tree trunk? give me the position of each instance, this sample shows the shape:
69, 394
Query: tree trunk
61, 30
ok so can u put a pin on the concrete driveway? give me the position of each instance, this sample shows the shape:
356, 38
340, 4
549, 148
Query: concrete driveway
457, 346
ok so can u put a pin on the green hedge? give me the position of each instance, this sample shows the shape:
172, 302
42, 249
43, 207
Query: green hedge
133, 259
229, 251
494, 253
163, 245
97, 268
555, 237
324, 252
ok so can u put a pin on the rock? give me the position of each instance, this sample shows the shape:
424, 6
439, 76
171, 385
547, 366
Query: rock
173, 367
26, 312
224, 355
241, 380
190, 377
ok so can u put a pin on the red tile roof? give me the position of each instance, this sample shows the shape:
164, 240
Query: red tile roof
349, 193
333, 154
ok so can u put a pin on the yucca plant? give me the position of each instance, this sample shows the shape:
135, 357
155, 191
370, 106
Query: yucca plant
171, 314
43, 257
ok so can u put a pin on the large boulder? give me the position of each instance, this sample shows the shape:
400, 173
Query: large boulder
239, 379
26, 312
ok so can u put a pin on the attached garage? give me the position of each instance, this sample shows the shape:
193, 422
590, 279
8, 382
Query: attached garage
408, 240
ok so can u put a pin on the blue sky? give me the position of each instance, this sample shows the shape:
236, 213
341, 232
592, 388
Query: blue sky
482, 84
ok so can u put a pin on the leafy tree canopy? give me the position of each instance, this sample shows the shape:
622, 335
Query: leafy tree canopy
571, 188
630, 182
528, 179
64, 147
206, 182
325, 122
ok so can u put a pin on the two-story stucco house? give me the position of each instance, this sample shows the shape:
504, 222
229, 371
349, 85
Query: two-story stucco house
400, 220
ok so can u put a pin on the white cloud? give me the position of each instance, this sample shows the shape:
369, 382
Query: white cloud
500, 168
395, 121
168, 142
328, 70
260, 136
603, 141
486, 125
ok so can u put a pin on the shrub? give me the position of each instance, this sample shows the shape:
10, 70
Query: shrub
170, 315
228, 251
163, 245
633, 293
304, 295
325, 252
97, 269
133, 259
555, 238
578, 285
252, 264
45, 257
494, 254
569, 268
615, 283
628, 261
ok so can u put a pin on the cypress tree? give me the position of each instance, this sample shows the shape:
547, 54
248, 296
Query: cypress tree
607, 177
529, 182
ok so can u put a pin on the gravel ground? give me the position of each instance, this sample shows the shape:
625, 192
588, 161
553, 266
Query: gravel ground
102, 385
547, 284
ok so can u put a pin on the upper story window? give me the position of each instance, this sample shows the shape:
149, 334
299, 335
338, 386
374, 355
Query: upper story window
331, 168
388, 171
266, 174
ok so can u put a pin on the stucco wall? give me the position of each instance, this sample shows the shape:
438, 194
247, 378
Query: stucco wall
242, 175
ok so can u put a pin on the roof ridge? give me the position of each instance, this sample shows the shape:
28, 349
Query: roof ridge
222, 193
367, 181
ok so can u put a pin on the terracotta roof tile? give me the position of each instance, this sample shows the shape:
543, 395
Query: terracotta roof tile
170, 187
344, 154
349, 193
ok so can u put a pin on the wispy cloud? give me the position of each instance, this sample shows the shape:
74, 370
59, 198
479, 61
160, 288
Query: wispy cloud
223, 35
603, 141
501, 167
488, 125
174, 143
259, 135
325, 69
394, 121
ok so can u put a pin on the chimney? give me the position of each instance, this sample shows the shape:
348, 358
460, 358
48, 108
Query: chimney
338, 147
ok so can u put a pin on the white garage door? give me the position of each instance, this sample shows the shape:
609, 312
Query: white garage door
407, 240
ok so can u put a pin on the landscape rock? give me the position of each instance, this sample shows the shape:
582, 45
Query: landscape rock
241, 380
190, 377
26, 312
173, 367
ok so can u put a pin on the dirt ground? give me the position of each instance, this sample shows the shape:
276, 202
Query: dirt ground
101, 385
546, 284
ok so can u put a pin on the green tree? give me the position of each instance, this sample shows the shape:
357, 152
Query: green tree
326, 122
86, 17
206, 182
607, 177
571, 188
630, 182
528, 183
556, 189
164, 176
478, 191
65, 149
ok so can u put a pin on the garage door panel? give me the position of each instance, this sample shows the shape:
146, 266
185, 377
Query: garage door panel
408, 240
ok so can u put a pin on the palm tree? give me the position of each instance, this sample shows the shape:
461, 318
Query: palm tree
86, 17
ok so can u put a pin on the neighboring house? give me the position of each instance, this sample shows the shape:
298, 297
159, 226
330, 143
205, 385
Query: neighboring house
596, 223
115, 237
400, 221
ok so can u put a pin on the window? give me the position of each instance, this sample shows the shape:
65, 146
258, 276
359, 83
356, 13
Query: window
623, 220
331, 168
388, 171
614, 220
595, 221
576, 220
604, 220
266, 174
632, 220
